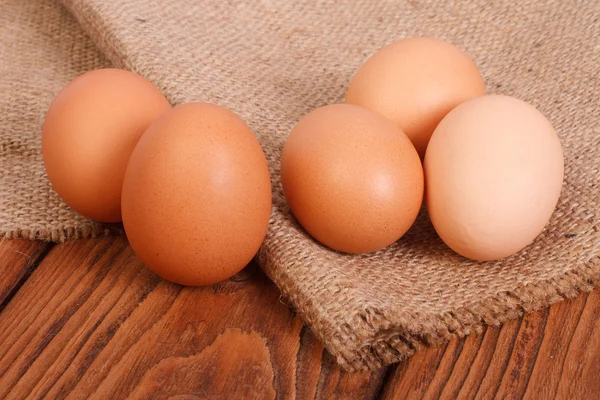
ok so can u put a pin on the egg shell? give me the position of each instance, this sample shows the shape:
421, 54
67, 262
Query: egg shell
352, 178
89, 132
197, 195
415, 82
493, 171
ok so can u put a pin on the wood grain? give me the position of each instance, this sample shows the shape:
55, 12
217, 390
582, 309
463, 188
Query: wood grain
92, 322
85, 319
18, 258
552, 353
247, 372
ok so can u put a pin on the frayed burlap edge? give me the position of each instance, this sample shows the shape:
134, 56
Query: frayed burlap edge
66, 233
385, 341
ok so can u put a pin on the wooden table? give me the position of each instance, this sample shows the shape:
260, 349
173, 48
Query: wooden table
85, 319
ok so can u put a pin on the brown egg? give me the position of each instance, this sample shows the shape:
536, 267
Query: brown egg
494, 170
197, 195
352, 178
415, 82
89, 132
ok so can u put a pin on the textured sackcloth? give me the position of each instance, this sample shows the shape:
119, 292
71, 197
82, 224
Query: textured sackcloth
42, 48
271, 62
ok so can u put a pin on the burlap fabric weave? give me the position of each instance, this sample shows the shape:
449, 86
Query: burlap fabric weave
273, 61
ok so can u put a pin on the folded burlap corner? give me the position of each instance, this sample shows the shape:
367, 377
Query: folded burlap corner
271, 62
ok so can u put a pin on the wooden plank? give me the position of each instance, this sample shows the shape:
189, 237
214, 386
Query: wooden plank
18, 258
92, 322
318, 376
562, 322
580, 377
553, 353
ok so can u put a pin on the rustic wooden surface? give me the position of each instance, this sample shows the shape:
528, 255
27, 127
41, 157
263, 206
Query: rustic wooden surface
85, 319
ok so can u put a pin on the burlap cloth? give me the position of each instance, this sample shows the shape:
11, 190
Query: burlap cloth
271, 62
